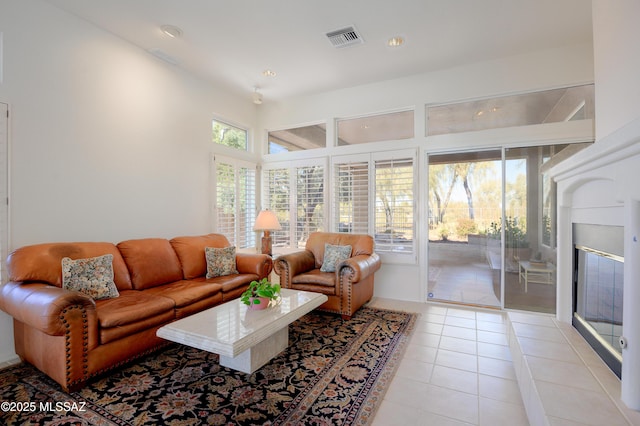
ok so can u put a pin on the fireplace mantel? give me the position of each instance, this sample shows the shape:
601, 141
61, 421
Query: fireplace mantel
618, 146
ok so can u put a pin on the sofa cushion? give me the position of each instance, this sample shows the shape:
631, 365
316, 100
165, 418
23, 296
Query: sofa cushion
230, 282
132, 306
190, 251
220, 261
317, 277
151, 262
333, 255
132, 312
43, 262
92, 276
185, 293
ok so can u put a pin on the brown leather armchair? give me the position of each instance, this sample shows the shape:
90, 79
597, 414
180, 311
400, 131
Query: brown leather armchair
349, 287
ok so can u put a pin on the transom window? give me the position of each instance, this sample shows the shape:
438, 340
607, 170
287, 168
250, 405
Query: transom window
375, 128
298, 138
229, 135
546, 106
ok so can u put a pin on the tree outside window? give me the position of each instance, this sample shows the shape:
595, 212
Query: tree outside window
229, 135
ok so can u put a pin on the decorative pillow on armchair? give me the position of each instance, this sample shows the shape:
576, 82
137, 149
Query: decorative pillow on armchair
220, 261
92, 276
334, 255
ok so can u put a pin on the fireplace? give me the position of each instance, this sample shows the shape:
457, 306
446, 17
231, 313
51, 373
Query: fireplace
599, 289
598, 185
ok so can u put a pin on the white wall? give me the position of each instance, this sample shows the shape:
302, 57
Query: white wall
617, 63
107, 142
527, 72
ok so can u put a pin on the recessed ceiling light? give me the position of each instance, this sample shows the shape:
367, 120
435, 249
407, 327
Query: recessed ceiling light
269, 73
171, 30
396, 41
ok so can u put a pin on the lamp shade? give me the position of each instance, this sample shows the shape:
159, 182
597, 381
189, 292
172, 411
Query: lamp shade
266, 221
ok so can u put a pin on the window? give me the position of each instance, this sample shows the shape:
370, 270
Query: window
309, 201
229, 135
547, 106
278, 194
373, 194
235, 201
298, 139
375, 128
296, 195
394, 205
351, 191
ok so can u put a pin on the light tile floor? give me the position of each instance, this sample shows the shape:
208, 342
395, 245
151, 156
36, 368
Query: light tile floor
562, 379
456, 370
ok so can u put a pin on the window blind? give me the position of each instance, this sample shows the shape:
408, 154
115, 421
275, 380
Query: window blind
309, 202
246, 207
351, 195
278, 193
394, 205
236, 201
226, 201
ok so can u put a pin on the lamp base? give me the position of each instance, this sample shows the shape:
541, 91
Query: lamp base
267, 244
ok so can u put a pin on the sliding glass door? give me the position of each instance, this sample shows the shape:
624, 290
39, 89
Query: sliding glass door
530, 227
465, 198
492, 227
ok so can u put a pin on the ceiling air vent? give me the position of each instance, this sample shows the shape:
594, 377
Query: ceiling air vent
345, 37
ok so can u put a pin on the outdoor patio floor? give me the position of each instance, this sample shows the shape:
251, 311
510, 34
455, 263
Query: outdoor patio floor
463, 273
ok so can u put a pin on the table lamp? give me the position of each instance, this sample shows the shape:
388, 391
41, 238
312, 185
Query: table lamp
267, 222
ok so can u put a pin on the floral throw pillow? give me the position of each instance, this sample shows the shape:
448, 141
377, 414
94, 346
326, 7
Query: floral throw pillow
220, 261
92, 276
334, 255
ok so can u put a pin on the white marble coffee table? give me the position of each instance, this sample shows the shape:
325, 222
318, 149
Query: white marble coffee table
245, 339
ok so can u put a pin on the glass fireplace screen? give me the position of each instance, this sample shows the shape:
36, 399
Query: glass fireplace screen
599, 295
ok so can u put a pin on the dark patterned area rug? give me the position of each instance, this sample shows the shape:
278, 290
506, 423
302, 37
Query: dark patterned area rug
334, 372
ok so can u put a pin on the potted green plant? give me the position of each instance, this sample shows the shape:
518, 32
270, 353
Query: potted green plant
259, 293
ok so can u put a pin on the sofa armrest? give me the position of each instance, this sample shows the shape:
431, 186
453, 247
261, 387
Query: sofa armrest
250, 263
360, 267
289, 265
43, 306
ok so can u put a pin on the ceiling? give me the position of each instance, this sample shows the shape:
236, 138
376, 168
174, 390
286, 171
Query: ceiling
231, 42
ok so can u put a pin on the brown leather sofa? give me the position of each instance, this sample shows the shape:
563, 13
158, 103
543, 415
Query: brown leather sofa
349, 287
71, 337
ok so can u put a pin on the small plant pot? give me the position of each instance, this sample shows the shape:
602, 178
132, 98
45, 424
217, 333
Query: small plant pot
264, 303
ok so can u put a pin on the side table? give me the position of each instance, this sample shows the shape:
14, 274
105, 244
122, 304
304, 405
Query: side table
535, 273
